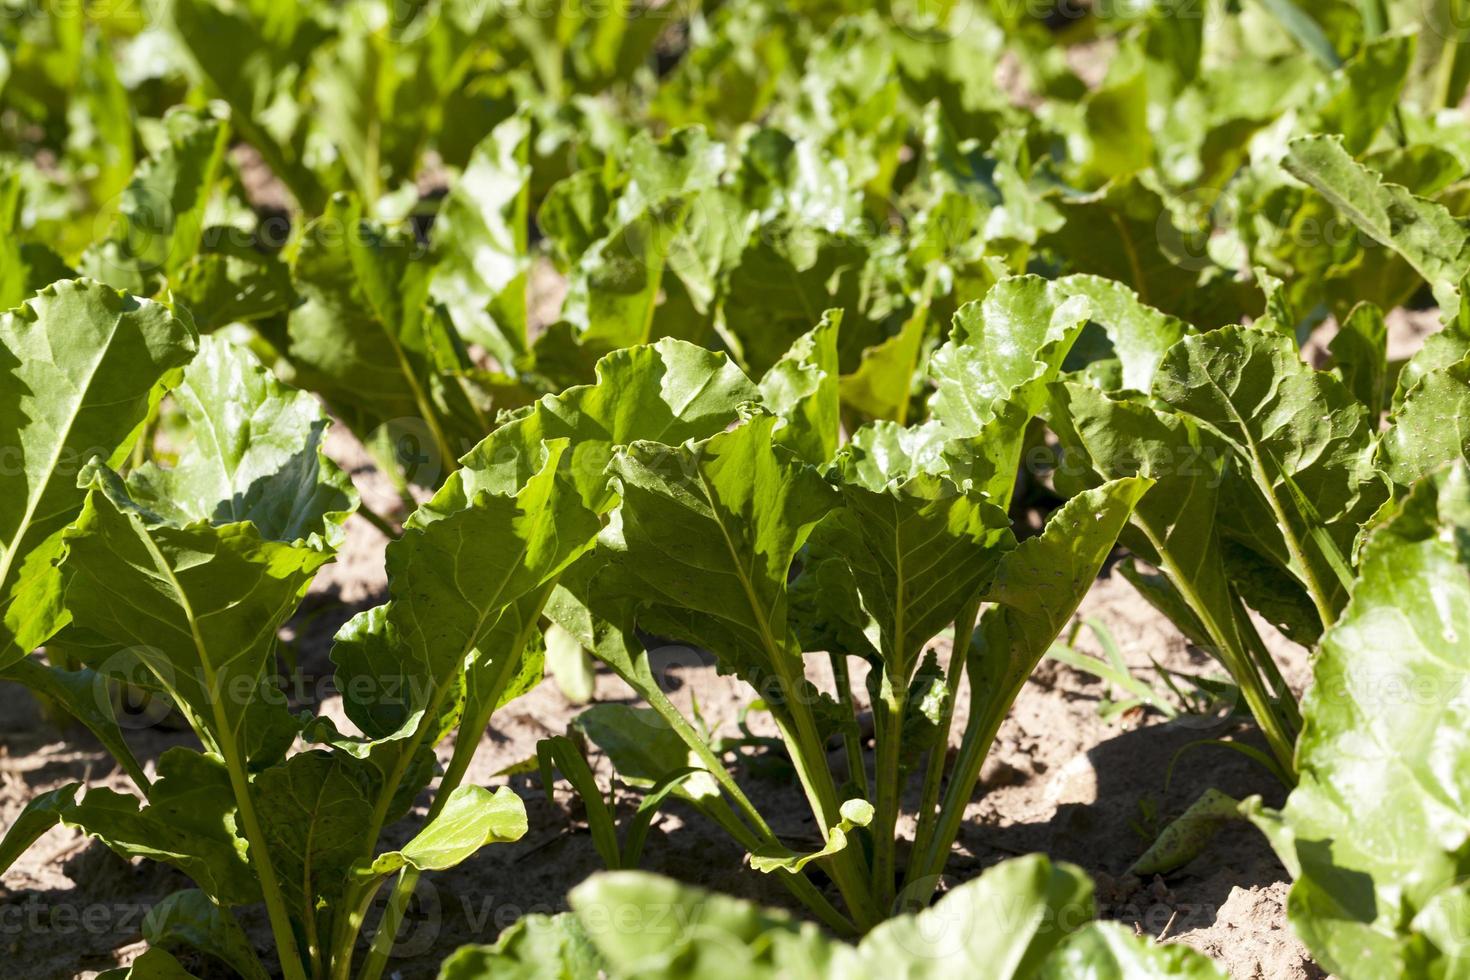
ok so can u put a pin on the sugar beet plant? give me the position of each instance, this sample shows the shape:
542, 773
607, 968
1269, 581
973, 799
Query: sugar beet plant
772, 548
175, 581
1269, 472
224, 221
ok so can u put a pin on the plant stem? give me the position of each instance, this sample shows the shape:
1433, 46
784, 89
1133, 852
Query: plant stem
799, 731
1238, 661
989, 704
466, 746
1285, 697
888, 777
634, 669
378, 521
857, 772
964, 628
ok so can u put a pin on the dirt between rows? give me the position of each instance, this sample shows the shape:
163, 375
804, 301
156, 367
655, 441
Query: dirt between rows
1060, 780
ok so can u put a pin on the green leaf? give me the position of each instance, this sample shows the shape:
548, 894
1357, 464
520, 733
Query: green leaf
473, 818
481, 242
25, 267
1110, 951
1134, 337
252, 60
1187, 835
1303, 442
1431, 426
189, 919
315, 810
782, 282
460, 566
569, 665
1018, 912
854, 813
257, 455
155, 964
364, 337
170, 566
40, 815
1304, 30
802, 388
84, 366
1039, 584
1036, 589
613, 294
920, 551
190, 822
1440, 350
1376, 873
231, 281
715, 935
560, 752
1362, 95
161, 214
707, 538
1019, 334
1126, 232
1025, 918
1360, 357
668, 392
882, 385
1178, 523
1424, 233
535, 947
641, 746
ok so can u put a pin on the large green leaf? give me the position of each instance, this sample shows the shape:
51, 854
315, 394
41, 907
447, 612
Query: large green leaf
84, 366
1426, 234
168, 568
161, 214
707, 538
1134, 337
1025, 918
1301, 439
1015, 909
779, 287
191, 920
480, 238
535, 947
1111, 951
919, 551
613, 295
190, 822
451, 578
1019, 334
257, 455
668, 392
366, 339
315, 811
1374, 834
